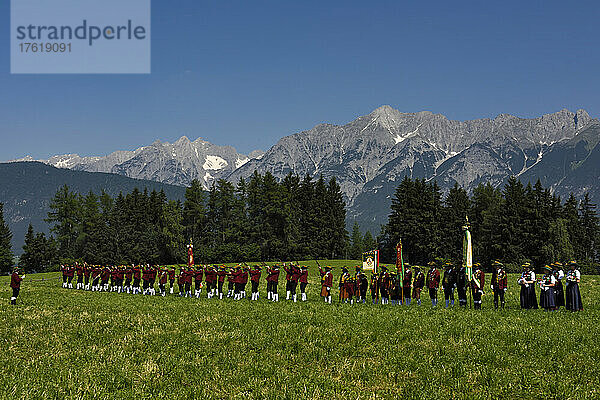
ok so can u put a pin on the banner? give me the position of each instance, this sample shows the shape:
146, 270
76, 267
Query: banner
370, 260
400, 260
468, 253
190, 254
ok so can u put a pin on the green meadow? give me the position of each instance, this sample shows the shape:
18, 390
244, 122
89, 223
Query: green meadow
69, 344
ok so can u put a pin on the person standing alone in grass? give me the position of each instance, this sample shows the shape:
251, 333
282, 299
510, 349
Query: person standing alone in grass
433, 282
15, 285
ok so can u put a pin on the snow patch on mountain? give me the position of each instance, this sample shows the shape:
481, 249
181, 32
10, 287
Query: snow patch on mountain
214, 163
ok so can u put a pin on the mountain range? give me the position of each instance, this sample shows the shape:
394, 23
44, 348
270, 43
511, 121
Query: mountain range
370, 155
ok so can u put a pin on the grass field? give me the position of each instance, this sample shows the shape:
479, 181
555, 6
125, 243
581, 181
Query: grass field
60, 343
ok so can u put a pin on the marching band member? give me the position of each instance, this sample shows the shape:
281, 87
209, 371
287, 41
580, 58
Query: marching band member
477, 285
79, 269
384, 285
499, 284
433, 282
361, 285
273, 281
449, 284
198, 280
374, 288
255, 273
171, 279
15, 285
162, 282
221, 274
418, 284
573, 278
86, 274
461, 285
128, 278
406, 284
326, 285
303, 279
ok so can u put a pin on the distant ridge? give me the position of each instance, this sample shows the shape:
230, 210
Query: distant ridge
26, 189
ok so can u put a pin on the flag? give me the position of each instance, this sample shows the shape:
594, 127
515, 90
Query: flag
468, 253
400, 260
190, 254
370, 260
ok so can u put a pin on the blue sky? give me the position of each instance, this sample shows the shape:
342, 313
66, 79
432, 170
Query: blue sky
247, 73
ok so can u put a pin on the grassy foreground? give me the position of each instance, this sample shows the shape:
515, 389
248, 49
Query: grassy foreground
61, 343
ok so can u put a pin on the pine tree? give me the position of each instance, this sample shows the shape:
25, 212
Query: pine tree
194, 213
356, 248
6, 254
487, 203
65, 217
29, 256
589, 228
457, 206
368, 243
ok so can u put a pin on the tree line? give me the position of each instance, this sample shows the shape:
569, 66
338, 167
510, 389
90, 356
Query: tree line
256, 219
513, 224
302, 218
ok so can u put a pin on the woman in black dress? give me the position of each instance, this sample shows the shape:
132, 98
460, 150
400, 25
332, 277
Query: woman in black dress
573, 278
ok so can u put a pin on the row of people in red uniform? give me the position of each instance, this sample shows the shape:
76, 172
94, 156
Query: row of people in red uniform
384, 286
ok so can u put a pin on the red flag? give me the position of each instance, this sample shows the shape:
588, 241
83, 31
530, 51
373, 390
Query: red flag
399, 260
190, 255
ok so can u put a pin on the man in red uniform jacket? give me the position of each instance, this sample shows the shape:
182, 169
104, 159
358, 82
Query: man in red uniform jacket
303, 279
499, 283
198, 278
15, 284
87, 270
162, 281
406, 284
272, 282
70, 275
433, 282
128, 278
137, 276
211, 281
255, 273
171, 278
288, 281
477, 285
221, 274
79, 271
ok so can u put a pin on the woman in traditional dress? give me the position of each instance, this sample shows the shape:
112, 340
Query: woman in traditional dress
573, 278
559, 292
547, 284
